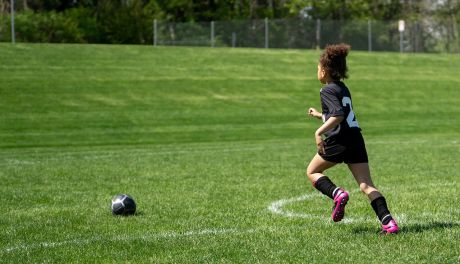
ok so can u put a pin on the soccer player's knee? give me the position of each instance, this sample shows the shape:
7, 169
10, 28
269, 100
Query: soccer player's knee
310, 173
364, 187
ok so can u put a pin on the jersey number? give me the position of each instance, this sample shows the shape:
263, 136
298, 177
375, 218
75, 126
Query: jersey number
351, 120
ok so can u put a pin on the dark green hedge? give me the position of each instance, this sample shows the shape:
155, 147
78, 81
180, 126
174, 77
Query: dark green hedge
110, 24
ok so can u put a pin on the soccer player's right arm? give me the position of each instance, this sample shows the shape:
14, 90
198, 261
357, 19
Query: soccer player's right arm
315, 113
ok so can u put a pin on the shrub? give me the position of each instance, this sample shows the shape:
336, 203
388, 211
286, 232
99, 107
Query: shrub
43, 27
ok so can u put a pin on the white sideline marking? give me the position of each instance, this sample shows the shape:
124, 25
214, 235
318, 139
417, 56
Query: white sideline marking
170, 234
277, 208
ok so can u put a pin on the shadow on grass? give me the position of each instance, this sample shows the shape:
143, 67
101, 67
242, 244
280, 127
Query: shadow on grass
411, 228
137, 213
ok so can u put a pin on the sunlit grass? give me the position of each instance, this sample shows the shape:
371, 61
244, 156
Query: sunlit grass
206, 140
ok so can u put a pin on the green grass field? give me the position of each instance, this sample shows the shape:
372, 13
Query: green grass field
213, 145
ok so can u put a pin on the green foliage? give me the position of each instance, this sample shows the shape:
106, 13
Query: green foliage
87, 23
130, 21
123, 23
47, 5
46, 27
358, 9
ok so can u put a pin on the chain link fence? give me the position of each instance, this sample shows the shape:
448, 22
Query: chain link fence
418, 36
427, 35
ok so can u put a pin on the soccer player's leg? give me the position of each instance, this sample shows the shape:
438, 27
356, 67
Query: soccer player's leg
316, 168
362, 175
322, 183
340, 201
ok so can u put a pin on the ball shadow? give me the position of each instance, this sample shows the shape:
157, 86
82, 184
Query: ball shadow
137, 213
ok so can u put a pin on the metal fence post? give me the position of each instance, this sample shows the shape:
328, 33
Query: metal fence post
154, 32
13, 35
401, 42
266, 33
369, 35
401, 28
233, 39
212, 34
416, 37
454, 29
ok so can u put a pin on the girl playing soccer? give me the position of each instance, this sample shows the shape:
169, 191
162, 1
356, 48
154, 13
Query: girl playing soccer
342, 141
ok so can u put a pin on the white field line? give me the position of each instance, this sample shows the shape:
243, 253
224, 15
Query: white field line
276, 207
402, 219
147, 237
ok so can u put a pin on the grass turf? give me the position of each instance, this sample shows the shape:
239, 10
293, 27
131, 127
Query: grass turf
213, 144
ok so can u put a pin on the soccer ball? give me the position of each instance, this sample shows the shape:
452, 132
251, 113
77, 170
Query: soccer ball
123, 204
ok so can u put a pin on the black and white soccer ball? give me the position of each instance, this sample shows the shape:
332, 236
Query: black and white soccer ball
123, 204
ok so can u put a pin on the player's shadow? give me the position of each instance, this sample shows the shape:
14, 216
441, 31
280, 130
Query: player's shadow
412, 228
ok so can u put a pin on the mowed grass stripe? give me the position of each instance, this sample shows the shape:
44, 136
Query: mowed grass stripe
71, 153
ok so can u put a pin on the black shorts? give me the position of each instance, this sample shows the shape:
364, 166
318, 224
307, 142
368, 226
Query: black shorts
345, 147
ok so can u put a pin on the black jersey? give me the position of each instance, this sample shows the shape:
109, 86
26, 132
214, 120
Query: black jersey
336, 101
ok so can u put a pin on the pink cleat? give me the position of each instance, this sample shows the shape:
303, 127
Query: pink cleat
340, 200
390, 228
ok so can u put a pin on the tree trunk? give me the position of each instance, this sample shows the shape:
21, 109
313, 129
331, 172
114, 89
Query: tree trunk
342, 11
2, 7
252, 9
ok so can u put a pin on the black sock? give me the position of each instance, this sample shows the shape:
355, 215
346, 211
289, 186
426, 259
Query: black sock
381, 210
325, 185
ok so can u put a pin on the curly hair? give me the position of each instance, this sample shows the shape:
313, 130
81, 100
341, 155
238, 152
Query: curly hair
333, 61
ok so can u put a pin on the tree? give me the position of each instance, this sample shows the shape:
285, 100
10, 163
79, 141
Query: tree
348, 9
